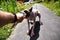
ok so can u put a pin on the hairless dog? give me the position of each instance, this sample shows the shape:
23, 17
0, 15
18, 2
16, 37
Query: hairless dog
31, 16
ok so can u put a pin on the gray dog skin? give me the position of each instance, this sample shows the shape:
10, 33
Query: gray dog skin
33, 13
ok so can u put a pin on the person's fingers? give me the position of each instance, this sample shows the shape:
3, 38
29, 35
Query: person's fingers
20, 19
19, 14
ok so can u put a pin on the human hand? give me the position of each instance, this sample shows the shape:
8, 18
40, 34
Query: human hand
20, 17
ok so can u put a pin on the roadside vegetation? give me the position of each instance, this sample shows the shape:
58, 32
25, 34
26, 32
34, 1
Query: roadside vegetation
53, 5
10, 6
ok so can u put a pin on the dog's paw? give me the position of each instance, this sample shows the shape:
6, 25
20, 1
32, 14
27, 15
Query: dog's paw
32, 34
28, 32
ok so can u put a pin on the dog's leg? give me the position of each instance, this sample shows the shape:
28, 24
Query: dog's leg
28, 27
32, 32
38, 14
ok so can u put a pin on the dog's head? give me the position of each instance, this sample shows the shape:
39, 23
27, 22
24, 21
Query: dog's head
27, 13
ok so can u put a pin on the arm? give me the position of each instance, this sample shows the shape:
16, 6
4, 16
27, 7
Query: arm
6, 18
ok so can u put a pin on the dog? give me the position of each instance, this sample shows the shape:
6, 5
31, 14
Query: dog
31, 17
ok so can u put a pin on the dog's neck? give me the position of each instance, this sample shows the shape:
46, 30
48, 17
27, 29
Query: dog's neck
32, 16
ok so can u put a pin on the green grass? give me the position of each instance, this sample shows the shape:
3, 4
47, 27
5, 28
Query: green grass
5, 32
37, 1
9, 6
54, 6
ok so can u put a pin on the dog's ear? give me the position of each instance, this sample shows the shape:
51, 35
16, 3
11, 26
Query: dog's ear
25, 11
30, 10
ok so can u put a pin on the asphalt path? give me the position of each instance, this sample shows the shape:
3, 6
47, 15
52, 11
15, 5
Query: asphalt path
50, 30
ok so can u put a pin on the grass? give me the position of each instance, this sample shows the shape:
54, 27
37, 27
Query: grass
54, 6
13, 7
5, 32
9, 6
